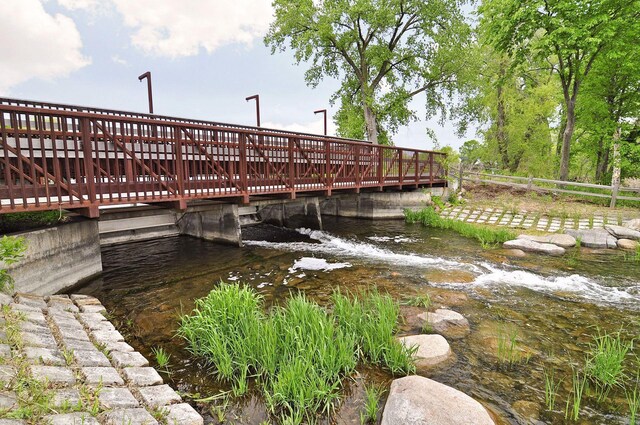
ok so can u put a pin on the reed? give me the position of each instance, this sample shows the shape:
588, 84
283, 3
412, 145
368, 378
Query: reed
633, 399
299, 353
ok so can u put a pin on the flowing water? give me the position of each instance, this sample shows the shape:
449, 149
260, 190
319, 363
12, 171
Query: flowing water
551, 306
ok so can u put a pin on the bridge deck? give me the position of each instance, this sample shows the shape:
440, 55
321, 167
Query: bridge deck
66, 157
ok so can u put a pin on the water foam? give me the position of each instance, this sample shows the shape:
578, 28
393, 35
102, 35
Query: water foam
572, 286
343, 248
312, 263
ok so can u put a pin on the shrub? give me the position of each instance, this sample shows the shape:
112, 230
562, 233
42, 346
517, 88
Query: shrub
11, 250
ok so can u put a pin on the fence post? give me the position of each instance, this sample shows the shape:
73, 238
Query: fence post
530, 182
242, 166
179, 161
614, 194
292, 168
460, 170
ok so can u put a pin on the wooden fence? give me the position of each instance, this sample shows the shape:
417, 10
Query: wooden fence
612, 192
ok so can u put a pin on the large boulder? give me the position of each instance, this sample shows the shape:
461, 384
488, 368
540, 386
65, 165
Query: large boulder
446, 322
622, 232
415, 400
532, 246
433, 350
633, 224
627, 244
594, 238
563, 240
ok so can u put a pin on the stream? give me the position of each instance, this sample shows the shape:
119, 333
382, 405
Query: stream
552, 306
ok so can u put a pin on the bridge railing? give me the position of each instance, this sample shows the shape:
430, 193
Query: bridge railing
59, 158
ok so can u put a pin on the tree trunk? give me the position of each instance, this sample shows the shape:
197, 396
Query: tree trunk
566, 140
563, 126
602, 161
615, 178
502, 118
371, 124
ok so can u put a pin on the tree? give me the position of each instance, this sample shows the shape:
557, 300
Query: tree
385, 52
569, 34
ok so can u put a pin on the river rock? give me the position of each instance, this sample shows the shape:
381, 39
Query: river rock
627, 244
594, 238
517, 253
563, 240
433, 350
622, 232
447, 322
532, 246
415, 400
633, 224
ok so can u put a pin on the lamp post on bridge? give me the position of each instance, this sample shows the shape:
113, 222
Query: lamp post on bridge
257, 99
147, 75
324, 112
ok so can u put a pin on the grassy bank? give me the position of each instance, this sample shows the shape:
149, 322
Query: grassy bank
487, 236
297, 355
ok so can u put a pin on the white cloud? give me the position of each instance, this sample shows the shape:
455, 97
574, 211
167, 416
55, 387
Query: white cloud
78, 4
173, 29
36, 44
117, 59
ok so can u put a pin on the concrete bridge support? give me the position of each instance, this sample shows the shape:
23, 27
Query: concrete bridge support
375, 205
216, 223
303, 212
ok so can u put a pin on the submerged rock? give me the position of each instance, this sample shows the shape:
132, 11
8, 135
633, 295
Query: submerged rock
563, 240
532, 246
415, 400
622, 232
446, 322
627, 244
433, 350
594, 238
517, 253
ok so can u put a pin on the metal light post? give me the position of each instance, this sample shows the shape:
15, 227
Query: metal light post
257, 99
323, 111
147, 75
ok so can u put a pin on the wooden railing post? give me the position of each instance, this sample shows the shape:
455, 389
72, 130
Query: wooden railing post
417, 155
431, 169
460, 171
87, 152
242, 166
380, 151
179, 161
400, 167
292, 168
327, 171
356, 155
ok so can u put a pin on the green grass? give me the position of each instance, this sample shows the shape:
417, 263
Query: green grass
633, 399
162, 357
487, 236
298, 354
372, 395
11, 250
507, 349
420, 300
605, 361
574, 401
551, 387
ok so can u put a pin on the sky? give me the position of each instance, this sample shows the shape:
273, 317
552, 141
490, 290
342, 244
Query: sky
205, 58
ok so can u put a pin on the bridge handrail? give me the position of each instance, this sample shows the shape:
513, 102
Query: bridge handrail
114, 112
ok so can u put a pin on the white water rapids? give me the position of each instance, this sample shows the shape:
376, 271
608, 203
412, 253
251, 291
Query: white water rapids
487, 275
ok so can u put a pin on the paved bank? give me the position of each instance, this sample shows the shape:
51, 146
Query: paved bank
534, 220
63, 362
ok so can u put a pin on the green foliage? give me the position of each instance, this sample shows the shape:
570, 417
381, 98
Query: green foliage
15, 222
633, 399
11, 250
507, 349
604, 364
551, 387
383, 52
487, 236
162, 357
299, 354
574, 401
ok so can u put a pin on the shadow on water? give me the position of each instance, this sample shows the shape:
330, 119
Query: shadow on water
554, 305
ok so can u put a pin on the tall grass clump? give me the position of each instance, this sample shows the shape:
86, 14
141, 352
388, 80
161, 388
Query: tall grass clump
574, 401
551, 387
487, 236
604, 363
633, 400
298, 354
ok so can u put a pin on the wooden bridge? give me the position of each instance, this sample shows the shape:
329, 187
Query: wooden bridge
56, 156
